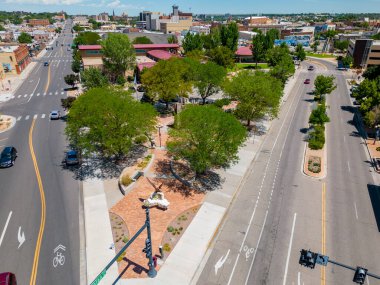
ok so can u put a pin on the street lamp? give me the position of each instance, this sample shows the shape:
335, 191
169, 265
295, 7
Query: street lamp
159, 132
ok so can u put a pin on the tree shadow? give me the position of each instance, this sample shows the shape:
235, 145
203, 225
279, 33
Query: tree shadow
309, 100
304, 130
101, 167
374, 195
348, 109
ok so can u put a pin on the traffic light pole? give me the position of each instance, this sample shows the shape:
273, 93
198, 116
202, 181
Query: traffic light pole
152, 271
352, 268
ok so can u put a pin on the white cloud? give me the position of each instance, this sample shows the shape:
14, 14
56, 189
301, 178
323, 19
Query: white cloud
45, 2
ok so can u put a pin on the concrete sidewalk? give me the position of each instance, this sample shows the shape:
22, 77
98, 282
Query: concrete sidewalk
186, 260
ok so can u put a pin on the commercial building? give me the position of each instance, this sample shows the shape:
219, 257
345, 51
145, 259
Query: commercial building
200, 29
103, 17
91, 56
14, 59
80, 20
258, 20
244, 54
374, 54
152, 20
176, 22
38, 22
365, 52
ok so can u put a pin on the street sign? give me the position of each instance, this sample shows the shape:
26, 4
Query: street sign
100, 277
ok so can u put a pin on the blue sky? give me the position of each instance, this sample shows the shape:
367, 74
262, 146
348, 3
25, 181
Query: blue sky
133, 7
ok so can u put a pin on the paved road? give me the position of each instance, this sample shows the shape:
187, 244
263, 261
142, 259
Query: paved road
45, 209
279, 210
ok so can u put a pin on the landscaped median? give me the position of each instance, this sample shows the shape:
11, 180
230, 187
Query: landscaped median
6, 123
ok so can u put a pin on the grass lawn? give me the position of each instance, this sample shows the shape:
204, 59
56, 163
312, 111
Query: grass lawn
320, 55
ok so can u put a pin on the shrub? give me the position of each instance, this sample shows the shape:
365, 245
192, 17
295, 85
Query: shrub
126, 180
170, 229
120, 258
125, 239
378, 148
120, 80
222, 102
317, 138
166, 247
140, 139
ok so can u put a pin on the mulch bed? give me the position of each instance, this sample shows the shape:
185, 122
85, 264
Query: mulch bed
119, 231
5, 124
176, 228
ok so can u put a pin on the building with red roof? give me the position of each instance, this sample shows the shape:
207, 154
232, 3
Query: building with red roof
244, 54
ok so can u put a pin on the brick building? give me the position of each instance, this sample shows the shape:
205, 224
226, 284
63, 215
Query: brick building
39, 22
14, 59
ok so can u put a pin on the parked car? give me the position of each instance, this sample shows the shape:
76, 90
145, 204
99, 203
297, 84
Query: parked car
307, 81
8, 157
8, 278
55, 115
46, 63
72, 158
311, 68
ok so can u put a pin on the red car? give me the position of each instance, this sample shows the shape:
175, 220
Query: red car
307, 81
7, 278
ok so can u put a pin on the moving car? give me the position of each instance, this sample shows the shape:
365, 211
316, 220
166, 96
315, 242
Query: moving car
55, 115
311, 68
307, 81
71, 158
46, 63
8, 157
7, 278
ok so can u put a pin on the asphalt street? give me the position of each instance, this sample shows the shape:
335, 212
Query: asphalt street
278, 210
39, 196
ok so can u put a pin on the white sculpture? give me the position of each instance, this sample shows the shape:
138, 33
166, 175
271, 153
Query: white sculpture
157, 199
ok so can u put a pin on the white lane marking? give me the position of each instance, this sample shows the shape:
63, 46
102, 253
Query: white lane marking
35, 116
13, 97
56, 93
344, 138
348, 165
38, 94
44, 93
26, 95
289, 249
19, 118
257, 246
299, 278
262, 182
62, 93
50, 93
19, 96
43, 116
5, 227
220, 262
356, 211
30, 97
38, 82
27, 117
20, 237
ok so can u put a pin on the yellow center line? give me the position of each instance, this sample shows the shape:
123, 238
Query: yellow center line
33, 275
323, 268
48, 81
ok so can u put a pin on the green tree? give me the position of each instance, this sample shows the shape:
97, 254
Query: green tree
283, 69
372, 72
196, 54
316, 138
75, 66
270, 37
372, 118
106, 121
376, 37
142, 40
229, 36
347, 61
192, 42
58, 30
367, 94
206, 137
2, 28
341, 45
222, 56
172, 39
25, 38
324, 85
208, 78
71, 79
212, 40
87, 38
166, 80
118, 55
318, 116
92, 78
78, 28
258, 95
300, 52
276, 54
315, 45
258, 48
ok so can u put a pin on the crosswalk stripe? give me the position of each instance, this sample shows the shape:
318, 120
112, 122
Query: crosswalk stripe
62, 93
19, 96
43, 116
13, 97
26, 95
50, 93
35, 116
45, 94
27, 117
38, 94
19, 118
56, 92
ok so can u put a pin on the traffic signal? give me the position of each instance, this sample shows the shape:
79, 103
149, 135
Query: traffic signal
308, 258
360, 275
148, 248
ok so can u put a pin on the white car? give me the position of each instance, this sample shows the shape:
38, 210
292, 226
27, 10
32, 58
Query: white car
55, 115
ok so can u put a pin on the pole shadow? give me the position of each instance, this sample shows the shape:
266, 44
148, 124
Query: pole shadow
374, 195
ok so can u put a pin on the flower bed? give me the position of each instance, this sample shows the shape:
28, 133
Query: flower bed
314, 164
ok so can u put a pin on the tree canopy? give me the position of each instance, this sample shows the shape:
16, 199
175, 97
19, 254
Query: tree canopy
25, 38
93, 77
106, 121
142, 40
77, 28
208, 78
258, 47
206, 137
258, 95
300, 52
192, 42
229, 35
71, 79
172, 39
166, 80
86, 38
222, 56
118, 55
341, 45
324, 85
318, 116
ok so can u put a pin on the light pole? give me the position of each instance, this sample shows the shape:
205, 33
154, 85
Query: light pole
159, 132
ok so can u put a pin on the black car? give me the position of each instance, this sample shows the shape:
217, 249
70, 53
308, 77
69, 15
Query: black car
8, 156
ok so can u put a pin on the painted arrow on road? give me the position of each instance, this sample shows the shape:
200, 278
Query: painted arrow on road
220, 262
20, 237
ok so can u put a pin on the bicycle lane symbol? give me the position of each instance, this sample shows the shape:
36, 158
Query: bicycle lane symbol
248, 251
59, 258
